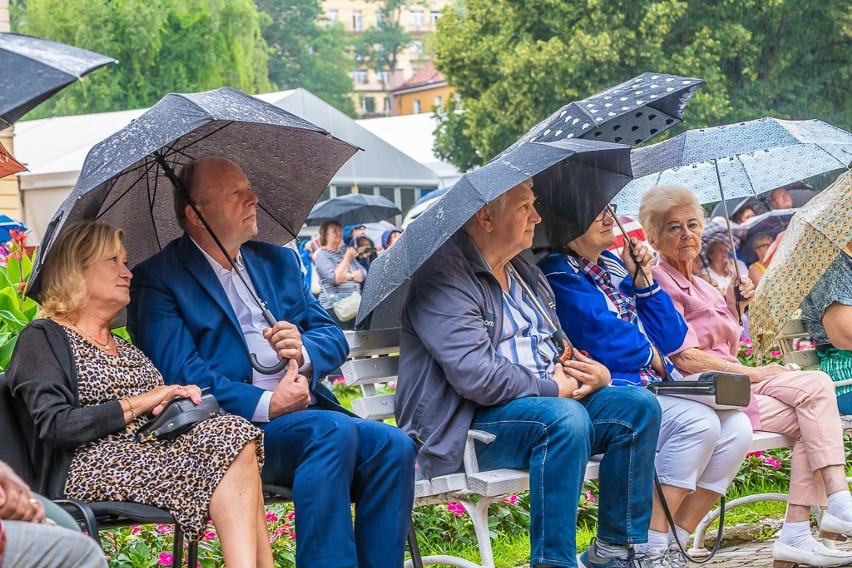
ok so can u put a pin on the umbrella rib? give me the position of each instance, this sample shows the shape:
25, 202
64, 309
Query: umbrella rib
126, 191
265, 210
151, 200
206, 136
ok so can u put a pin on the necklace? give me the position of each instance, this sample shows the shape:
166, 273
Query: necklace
105, 346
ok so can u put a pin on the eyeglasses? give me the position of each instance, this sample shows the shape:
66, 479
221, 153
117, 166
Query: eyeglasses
611, 211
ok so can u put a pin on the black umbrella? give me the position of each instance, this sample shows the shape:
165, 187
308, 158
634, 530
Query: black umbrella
353, 209
737, 204
33, 69
770, 223
128, 180
629, 113
605, 165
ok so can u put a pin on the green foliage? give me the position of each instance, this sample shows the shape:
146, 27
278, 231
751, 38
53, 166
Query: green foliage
16, 310
513, 62
162, 46
380, 45
306, 53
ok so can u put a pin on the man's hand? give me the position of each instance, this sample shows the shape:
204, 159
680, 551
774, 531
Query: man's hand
292, 393
644, 259
589, 373
16, 501
286, 339
567, 385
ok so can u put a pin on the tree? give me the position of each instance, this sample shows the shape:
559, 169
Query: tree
162, 46
514, 62
306, 52
380, 45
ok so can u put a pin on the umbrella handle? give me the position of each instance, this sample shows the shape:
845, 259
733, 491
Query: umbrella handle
273, 370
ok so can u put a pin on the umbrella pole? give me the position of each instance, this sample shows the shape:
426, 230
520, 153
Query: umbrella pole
267, 315
737, 296
628, 243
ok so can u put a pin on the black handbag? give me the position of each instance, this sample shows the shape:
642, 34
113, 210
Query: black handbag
722, 391
177, 417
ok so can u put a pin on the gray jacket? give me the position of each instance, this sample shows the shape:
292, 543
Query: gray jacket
449, 365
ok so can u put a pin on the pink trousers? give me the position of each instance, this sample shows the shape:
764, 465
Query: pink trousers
802, 405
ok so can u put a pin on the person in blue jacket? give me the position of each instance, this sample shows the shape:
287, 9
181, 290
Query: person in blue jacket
194, 318
631, 327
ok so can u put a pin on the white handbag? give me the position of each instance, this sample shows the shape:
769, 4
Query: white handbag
347, 308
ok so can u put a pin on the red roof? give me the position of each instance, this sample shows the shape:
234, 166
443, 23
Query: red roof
425, 77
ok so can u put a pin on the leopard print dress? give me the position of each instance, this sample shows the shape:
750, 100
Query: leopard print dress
178, 475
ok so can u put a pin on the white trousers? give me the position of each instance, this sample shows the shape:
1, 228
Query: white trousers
699, 446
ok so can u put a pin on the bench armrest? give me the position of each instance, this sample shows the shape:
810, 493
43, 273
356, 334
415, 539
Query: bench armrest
471, 463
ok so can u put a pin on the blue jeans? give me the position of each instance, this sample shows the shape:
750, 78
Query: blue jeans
553, 438
331, 460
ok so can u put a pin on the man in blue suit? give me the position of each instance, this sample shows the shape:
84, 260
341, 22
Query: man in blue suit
193, 316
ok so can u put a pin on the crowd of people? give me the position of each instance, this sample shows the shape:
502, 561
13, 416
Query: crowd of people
634, 318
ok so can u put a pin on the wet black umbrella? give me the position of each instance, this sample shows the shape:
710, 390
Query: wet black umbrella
34, 69
128, 180
629, 113
604, 165
353, 209
770, 223
737, 204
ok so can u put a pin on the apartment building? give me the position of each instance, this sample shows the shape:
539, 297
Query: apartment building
372, 92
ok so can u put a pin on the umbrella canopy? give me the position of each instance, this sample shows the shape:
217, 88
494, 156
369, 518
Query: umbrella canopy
817, 234
770, 223
8, 164
125, 179
423, 204
738, 160
606, 164
34, 69
7, 225
628, 113
737, 204
353, 208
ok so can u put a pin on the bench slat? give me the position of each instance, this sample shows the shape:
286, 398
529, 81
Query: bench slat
806, 358
370, 371
379, 407
372, 342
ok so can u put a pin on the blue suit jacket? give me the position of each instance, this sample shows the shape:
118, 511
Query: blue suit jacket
181, 318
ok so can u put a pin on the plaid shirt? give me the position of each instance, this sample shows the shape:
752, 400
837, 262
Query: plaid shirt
626, 305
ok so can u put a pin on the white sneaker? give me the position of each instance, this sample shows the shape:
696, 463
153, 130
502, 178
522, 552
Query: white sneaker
786, 556
652, 559
832, 527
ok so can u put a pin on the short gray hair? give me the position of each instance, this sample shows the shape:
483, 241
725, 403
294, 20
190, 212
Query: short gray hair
658, 200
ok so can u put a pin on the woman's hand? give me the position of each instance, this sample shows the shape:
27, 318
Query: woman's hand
746, 293
764, 372
644, 259
589, 373
156, 399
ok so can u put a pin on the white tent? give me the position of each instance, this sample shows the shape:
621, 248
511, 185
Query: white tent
54, 150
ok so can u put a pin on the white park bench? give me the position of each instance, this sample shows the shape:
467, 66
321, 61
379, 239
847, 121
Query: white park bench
374, 360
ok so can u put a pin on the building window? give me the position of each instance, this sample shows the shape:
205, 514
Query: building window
384, 76
387, 104
356, 21
359, 76
368, 104
435, 16
416, 46
439, 100
415, 18
416, 106
332, 16
380, 18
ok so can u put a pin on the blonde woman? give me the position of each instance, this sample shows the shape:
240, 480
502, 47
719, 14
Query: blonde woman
85, 392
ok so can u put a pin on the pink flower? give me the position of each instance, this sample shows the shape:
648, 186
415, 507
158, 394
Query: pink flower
135, 529
772, 462
209, 535
590, 497
754, 454
164, 529
511, 499
749, 351
291, 515
774, 354
271, 518
392, 384
166, 559
338, 380
455, 508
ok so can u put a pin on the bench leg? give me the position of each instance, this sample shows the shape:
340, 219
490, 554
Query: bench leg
479, 517
698, 549
177, 551
413, 547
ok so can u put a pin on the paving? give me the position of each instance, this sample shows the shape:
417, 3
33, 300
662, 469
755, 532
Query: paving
756, 554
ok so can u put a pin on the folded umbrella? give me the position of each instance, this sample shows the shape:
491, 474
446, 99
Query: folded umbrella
815, 237
628, 113
34, 69
354, 208
606, 166
128, 180
8, 164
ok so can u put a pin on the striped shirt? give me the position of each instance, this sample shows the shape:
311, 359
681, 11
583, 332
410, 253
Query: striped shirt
325, 262
525, 338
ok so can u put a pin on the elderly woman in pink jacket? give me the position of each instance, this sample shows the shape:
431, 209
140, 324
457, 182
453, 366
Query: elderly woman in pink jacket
798, 404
